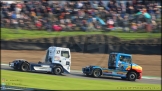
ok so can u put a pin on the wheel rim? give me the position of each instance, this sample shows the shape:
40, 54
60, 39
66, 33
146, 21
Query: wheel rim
97, 73
58, 70
24, 67
132, 76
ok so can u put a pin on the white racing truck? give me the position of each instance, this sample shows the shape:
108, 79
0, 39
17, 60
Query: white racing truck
57, 61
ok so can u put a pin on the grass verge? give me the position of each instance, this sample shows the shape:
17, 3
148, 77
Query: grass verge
9, 34
43, 81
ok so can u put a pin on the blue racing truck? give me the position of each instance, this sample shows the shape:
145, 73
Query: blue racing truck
119, 65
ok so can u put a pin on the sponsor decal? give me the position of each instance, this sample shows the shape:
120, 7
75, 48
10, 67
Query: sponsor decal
6, 84
113, 72
105, 71
58, 51
120, 73
109, 72
3, 87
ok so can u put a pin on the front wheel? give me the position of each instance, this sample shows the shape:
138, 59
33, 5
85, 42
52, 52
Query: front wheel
132, 76
57, 70
97, 73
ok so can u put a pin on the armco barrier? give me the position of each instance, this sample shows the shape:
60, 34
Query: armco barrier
87, 47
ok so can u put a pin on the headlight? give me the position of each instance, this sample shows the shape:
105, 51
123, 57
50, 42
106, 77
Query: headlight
11, 64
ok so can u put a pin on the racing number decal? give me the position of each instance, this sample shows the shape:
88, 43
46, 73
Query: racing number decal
58, 52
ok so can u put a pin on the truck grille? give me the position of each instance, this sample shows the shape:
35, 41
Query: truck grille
85, 69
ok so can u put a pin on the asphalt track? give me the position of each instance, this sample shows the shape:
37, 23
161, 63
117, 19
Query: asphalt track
78, 74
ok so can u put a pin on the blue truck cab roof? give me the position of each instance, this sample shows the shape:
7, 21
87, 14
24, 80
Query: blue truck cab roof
117, 53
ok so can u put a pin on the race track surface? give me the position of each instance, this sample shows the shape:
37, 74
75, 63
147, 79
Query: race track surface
151, 64
78, 74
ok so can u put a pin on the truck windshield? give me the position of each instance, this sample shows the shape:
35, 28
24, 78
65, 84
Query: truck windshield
65, 54
46, 57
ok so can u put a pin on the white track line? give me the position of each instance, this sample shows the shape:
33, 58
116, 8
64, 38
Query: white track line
5, 64
144, 77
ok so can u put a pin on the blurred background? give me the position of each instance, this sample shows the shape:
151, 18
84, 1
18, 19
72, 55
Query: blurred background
82, 15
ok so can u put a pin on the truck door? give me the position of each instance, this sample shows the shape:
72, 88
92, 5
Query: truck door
66, 59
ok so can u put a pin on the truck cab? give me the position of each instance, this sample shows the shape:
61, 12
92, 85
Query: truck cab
119, 61
59, 55
119, 65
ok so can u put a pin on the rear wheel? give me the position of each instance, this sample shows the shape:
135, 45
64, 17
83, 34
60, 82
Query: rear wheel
97, 73
25, 67
132, 76
57, 70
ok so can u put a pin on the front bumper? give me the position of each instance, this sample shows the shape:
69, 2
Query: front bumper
86, 70
11, 64
140, 76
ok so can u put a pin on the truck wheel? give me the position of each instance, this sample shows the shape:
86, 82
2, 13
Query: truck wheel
132, 76
57, 70
25, 67
97, 73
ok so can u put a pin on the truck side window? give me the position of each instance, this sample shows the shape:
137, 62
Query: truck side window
127, 59
121, 58
65, 54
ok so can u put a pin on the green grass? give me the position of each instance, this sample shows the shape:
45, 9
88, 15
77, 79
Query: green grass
9, 34
43, 81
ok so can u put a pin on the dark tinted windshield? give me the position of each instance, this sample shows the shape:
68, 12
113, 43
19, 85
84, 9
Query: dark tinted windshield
65, 54
46, 58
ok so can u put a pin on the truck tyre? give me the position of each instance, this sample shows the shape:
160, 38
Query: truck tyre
24, 67
132, 76
97, 73
57, 70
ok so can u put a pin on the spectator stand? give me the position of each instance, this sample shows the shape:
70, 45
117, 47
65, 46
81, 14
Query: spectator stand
111, 15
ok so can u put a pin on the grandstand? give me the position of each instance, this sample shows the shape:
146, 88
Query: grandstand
83, 15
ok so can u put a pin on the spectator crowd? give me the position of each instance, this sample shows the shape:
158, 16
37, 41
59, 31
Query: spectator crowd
84, 15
